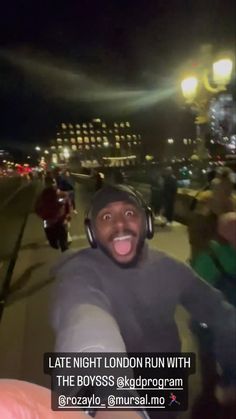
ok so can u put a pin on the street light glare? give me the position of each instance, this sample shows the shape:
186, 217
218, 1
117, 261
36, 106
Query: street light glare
222, 70
189, 87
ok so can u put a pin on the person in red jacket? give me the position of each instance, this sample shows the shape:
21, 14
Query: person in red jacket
54, 207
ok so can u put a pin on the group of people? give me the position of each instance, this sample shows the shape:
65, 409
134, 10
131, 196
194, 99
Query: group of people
212, 234
55, 206
163, 195
119, 295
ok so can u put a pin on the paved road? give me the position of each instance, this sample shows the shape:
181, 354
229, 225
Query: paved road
25, 333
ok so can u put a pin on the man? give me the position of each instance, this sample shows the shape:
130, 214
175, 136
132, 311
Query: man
121, 296
53, 206
169, 194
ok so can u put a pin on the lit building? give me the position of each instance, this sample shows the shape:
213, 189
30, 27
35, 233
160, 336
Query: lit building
97, 143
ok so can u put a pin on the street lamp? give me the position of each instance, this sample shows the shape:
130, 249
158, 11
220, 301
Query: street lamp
222, 70
198, 92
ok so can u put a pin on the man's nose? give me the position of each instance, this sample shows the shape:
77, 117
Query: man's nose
119, 221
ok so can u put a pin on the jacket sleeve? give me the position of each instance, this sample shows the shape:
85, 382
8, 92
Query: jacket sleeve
82, 319
207, 305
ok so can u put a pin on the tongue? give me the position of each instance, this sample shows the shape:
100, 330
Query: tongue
122, 247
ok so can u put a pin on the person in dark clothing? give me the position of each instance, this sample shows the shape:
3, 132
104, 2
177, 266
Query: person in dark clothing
66, 183
169, 194
157, 190
53, 206
121, 296
98, 178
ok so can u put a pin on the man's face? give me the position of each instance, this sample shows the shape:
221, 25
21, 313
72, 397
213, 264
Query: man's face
119, 230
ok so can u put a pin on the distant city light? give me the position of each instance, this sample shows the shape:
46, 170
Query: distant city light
170, 141
66, 153
46, 152
37, 148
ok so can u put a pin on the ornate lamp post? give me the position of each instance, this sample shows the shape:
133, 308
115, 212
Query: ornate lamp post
198, 92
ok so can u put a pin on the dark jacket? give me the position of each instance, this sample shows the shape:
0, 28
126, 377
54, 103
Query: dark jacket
99, 306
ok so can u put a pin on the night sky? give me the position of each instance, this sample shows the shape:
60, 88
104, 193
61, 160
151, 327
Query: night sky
115, 59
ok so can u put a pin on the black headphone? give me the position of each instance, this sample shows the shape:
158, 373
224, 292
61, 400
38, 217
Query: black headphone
137, 195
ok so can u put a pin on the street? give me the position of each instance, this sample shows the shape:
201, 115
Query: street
25, 333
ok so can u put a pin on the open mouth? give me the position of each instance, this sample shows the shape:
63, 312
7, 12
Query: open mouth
122, 244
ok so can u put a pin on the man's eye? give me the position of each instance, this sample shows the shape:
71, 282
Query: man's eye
129, 213
106, 217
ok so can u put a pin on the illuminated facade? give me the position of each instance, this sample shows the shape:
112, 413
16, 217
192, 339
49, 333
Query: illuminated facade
97, 143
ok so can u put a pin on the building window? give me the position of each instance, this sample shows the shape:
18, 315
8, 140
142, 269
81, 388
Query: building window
84, 125
91, 131
80, 140
74, 147
98, 120
92, 139
104, 131
85, 132
70, 126
110, 131
117, 145
80, 147
59, 147
93, 146
122, 137
63, 126
117, 137
116, 130
99, 145
66, 140
86, 140
129, 144
98, 132
185, 141
115, 125
105, 138
90, 125
72, 132
72, 140
59, 140
77, 125
127, 124
128, 137
135, 142
53, 147
99, 140
134, 137
122, 125
104, 125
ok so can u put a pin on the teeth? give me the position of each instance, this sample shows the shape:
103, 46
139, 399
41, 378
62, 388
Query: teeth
122, 238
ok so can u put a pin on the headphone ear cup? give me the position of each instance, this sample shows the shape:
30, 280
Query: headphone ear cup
150, 223
89, 233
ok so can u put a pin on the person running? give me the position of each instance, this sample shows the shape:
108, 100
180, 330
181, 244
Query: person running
53, 206
121, 296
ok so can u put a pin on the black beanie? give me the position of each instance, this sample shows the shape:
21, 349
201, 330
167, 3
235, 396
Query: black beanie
113, 193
